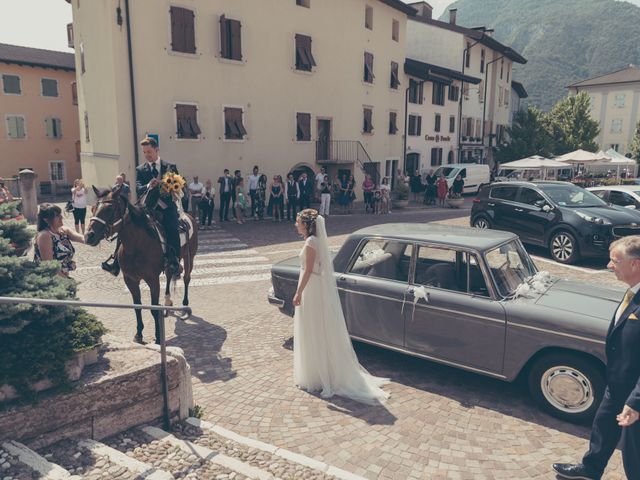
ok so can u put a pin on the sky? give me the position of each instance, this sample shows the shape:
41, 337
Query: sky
43, 23
48, 28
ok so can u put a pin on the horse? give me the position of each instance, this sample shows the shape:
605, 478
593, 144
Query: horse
140, 253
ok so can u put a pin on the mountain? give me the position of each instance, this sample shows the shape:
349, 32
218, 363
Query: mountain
564, 41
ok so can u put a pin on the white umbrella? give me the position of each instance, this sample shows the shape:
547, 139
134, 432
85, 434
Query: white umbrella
582, 156
618, 160
535, 162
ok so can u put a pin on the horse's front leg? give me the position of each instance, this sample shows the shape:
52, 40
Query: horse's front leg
188, 266
134, 288
167, 293
154, 287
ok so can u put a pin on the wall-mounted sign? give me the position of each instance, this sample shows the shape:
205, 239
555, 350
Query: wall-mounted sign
437, 138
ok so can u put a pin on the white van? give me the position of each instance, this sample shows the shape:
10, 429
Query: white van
474, 175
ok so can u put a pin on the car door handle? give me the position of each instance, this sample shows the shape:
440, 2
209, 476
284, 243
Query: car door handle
342, 278
519, 210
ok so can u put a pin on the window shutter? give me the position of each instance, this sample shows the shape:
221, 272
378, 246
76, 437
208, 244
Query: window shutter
74, 93
412, 125
393, 120
224, 37
419, 125
452, 124
368, 126
236, 39
56, 125
11, 127
368, 67
177, 29
312, 60
78, 151
303, 126
189, 20
437, 127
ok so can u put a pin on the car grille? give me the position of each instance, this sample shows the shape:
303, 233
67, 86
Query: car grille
626, 230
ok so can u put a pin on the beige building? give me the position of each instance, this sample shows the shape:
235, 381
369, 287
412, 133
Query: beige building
615, 104
283, 84
483, 108
39, 115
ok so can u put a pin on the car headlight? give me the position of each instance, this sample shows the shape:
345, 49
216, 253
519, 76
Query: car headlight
592, 219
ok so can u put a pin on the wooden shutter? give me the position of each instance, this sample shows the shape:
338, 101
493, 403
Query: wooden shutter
11, 84
412, 125
438, 119
56, 123
224, 37
393, 123
187, 121
236, 39
233, 126
78, 151
452, 124
303, 128
74, 93
177, 29
418, 125
395, 82
87, 138
189, 21
48, 128
434, 157
368, 67
49, 87
368, 125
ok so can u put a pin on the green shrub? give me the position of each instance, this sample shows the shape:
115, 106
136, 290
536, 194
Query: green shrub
16, 237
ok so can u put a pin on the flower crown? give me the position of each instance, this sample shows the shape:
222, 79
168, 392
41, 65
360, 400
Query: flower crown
308, 215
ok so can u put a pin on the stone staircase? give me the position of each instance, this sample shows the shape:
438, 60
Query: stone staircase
192, 450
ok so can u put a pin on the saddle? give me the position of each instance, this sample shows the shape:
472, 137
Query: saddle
185, 226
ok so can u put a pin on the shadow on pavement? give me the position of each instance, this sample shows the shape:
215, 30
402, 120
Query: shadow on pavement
202, 342
470, 390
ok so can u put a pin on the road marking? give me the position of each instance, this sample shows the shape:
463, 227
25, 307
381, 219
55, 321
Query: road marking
230, 241
205, 282
229, 269
571, 267
223, 261
221, 248
228, 253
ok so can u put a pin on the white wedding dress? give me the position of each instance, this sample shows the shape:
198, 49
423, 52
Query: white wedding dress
323, 357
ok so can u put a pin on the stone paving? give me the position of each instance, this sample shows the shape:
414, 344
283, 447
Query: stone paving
440, 423
12, 469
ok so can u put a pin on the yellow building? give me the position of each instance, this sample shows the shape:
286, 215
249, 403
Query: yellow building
615, 104
282, 84
39, 113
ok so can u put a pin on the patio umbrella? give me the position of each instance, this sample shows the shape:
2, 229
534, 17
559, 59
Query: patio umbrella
582, 156
535, 162
618, 160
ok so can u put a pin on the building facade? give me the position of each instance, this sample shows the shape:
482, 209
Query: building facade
39, 115
518, 92
483, 107
615, 104
286, 85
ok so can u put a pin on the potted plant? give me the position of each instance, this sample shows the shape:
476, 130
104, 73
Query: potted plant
401, 195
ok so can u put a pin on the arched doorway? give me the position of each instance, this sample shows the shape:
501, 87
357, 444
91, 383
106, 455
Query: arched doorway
302, 168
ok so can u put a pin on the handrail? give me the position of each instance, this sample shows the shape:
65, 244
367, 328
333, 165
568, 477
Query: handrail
163, 345
346, 151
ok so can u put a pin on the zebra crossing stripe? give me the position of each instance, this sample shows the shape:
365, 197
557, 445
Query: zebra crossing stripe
226, 261
221, 248
220, 240
245, 251
229, 269
205, 282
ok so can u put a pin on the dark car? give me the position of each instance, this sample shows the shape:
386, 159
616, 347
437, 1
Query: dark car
569, 220
455, 295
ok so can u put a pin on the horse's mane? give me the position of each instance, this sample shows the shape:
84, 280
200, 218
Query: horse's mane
140, 218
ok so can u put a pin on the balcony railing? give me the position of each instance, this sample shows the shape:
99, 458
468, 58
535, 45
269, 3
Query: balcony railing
339, 152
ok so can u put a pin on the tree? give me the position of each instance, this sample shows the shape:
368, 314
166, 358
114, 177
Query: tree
571, 125
634, 148
527, 136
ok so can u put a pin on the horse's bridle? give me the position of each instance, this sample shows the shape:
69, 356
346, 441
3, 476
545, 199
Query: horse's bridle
111, 227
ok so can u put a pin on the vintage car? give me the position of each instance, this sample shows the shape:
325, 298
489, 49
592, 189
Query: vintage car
472, 299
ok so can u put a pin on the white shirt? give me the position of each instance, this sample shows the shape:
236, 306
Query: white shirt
253, 182
319, 180
80, 198
619, 311
196, 189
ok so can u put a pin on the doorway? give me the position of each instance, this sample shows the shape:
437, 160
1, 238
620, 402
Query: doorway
323, 146
413, 163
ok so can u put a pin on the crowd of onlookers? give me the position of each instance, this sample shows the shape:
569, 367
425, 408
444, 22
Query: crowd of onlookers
432, 188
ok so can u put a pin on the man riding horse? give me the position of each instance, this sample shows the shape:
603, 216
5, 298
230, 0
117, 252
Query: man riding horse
148, 178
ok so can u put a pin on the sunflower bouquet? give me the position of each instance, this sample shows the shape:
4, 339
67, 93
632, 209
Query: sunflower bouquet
173, 184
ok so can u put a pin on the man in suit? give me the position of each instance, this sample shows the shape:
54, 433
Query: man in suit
226, 189
148, 178
618, 413
305, 187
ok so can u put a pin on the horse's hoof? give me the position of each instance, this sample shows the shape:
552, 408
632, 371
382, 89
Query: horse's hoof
138, 339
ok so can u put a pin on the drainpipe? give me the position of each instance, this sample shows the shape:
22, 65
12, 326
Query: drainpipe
484, 106
464, 58
132, 86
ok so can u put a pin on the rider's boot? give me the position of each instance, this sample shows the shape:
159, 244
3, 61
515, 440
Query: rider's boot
113, 268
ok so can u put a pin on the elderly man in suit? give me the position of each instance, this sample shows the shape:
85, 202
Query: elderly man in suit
619, 411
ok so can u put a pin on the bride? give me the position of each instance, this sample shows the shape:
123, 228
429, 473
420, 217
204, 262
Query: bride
323, 357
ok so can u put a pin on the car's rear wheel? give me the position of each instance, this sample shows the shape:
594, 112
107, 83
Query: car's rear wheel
481, 222
568, 386
563, 247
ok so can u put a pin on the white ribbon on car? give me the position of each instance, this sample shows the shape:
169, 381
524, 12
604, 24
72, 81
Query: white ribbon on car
532, 286
418, 294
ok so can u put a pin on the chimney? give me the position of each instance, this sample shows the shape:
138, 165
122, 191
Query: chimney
423, 9
452, 15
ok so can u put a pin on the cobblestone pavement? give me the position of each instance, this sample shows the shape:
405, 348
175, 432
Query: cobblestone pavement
440, 423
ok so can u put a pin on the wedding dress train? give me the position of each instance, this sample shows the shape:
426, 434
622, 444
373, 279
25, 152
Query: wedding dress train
323, 357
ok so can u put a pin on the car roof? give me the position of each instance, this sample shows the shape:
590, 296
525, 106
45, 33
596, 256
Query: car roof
620, 188
467, 237
529, 184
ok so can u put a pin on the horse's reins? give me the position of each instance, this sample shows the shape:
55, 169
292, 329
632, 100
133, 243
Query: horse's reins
110, 227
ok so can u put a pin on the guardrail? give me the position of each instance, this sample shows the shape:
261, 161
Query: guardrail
163, 347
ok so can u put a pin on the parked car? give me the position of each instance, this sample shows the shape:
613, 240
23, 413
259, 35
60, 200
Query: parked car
569, 220
463, 281
474, 175
627, 196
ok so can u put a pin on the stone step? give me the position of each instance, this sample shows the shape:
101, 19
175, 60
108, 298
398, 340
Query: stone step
19, 462
161, 454
280, 462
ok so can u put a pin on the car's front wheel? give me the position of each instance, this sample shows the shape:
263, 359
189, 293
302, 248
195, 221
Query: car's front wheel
564, 247
481, 222
568, 386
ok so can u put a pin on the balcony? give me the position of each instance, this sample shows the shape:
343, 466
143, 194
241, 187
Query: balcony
343, 152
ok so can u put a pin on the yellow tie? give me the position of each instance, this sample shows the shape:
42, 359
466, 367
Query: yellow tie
628, 296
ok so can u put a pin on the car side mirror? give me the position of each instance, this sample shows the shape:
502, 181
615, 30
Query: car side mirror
547, 208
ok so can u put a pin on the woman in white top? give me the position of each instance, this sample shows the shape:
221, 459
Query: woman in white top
385, 194
323, 357
79, 200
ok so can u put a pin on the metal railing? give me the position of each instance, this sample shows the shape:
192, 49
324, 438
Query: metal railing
163, 346
336, 152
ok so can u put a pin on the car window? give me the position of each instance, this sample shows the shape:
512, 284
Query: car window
449, 269
386, 259
530, 196
621, 198
600, 193
463, 173
568, 195
505, 192
510, 265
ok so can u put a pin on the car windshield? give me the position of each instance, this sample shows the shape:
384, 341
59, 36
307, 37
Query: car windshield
510, 265
568, 195
448, 172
